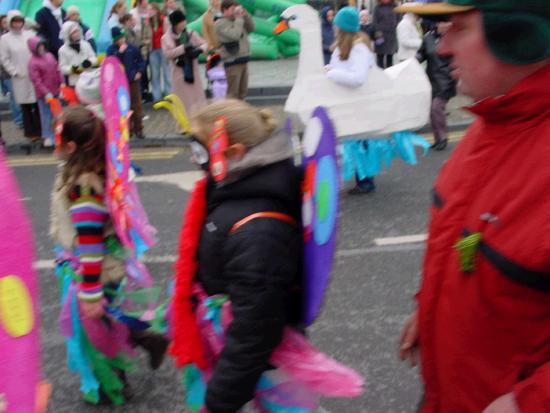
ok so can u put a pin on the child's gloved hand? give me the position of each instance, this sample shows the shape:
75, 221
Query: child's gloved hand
76, 69
48, 97
86, 64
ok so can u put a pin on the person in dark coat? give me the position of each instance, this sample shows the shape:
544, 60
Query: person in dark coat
443, 85
385, 32
134, 65
50, 19
327, 15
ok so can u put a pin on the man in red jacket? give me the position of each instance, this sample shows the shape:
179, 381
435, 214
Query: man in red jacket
482, 325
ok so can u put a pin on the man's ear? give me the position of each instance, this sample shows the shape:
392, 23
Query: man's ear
235, 152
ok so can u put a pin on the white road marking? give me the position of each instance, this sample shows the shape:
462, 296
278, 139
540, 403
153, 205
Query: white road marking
183, 180
404, 239
157, 259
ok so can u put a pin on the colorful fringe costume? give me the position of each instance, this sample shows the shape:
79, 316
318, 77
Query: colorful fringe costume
366, 158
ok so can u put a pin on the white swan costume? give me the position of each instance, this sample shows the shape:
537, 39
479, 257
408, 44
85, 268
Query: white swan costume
391, 100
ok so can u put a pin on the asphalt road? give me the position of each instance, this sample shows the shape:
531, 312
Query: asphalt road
370, 295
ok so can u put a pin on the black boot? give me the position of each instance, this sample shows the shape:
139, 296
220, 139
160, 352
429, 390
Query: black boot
155, 344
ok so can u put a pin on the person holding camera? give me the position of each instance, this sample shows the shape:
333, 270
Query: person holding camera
76, 55
182, 47
232, 31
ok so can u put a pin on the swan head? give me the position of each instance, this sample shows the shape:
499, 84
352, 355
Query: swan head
299, 16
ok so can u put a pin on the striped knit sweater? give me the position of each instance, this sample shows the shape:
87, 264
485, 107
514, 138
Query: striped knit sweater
89, 215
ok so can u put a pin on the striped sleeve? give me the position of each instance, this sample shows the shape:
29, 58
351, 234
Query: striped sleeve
89, 214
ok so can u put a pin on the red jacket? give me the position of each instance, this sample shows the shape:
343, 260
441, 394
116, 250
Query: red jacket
487, 332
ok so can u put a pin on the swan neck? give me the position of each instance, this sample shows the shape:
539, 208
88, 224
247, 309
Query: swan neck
311, 52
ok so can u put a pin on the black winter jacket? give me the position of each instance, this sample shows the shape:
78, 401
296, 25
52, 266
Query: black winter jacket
438, 71
259, 267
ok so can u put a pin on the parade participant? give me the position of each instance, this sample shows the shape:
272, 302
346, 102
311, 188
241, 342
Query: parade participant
349, 65
483, 308
73, 14
385, 35
408, 37
134, 65
76, 55
248, 208
327, 31
91, 266
118, 10
50, 19
182, 47
47, 80
160, 71
443, 85
15, 56
233, 31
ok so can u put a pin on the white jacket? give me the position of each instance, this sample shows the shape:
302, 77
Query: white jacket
354, 71
15, 56
408, 37
68, 57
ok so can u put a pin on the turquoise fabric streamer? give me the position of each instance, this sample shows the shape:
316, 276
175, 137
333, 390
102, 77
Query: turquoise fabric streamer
195, 387
366, 158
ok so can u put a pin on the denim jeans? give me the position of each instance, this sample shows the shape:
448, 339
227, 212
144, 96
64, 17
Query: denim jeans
160, 68
46, 119
16, 114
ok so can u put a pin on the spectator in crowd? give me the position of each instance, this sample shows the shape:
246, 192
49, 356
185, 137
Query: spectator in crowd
233, 30
385, 32
160, 72
366, 23
76, 55
408, 37
182, 47
209, 19
327, 30
128, 23
50, 19
118, 10
443, 85
144, 35
15, 57
73, 14
6, 86
134, 65
169, 7
47, 79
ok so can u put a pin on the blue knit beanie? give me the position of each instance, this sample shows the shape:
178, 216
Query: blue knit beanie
347, 20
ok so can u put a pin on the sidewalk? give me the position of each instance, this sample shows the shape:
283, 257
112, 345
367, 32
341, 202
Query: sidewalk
265, 77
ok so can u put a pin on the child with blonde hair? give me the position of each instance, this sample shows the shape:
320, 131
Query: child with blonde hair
247, 242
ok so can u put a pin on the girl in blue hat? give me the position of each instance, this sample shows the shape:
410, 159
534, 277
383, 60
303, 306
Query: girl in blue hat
352, 57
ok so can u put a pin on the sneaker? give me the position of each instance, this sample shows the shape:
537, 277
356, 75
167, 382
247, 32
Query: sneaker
48, 143
358, 190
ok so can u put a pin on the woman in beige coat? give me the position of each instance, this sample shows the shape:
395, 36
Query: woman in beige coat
15, 57
182, 48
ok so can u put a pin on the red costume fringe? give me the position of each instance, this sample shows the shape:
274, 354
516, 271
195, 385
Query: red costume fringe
187, 346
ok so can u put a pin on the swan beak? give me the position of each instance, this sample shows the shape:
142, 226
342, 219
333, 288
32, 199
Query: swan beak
281, 27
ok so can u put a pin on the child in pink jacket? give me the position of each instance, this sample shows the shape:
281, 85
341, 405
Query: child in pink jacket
47, 80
